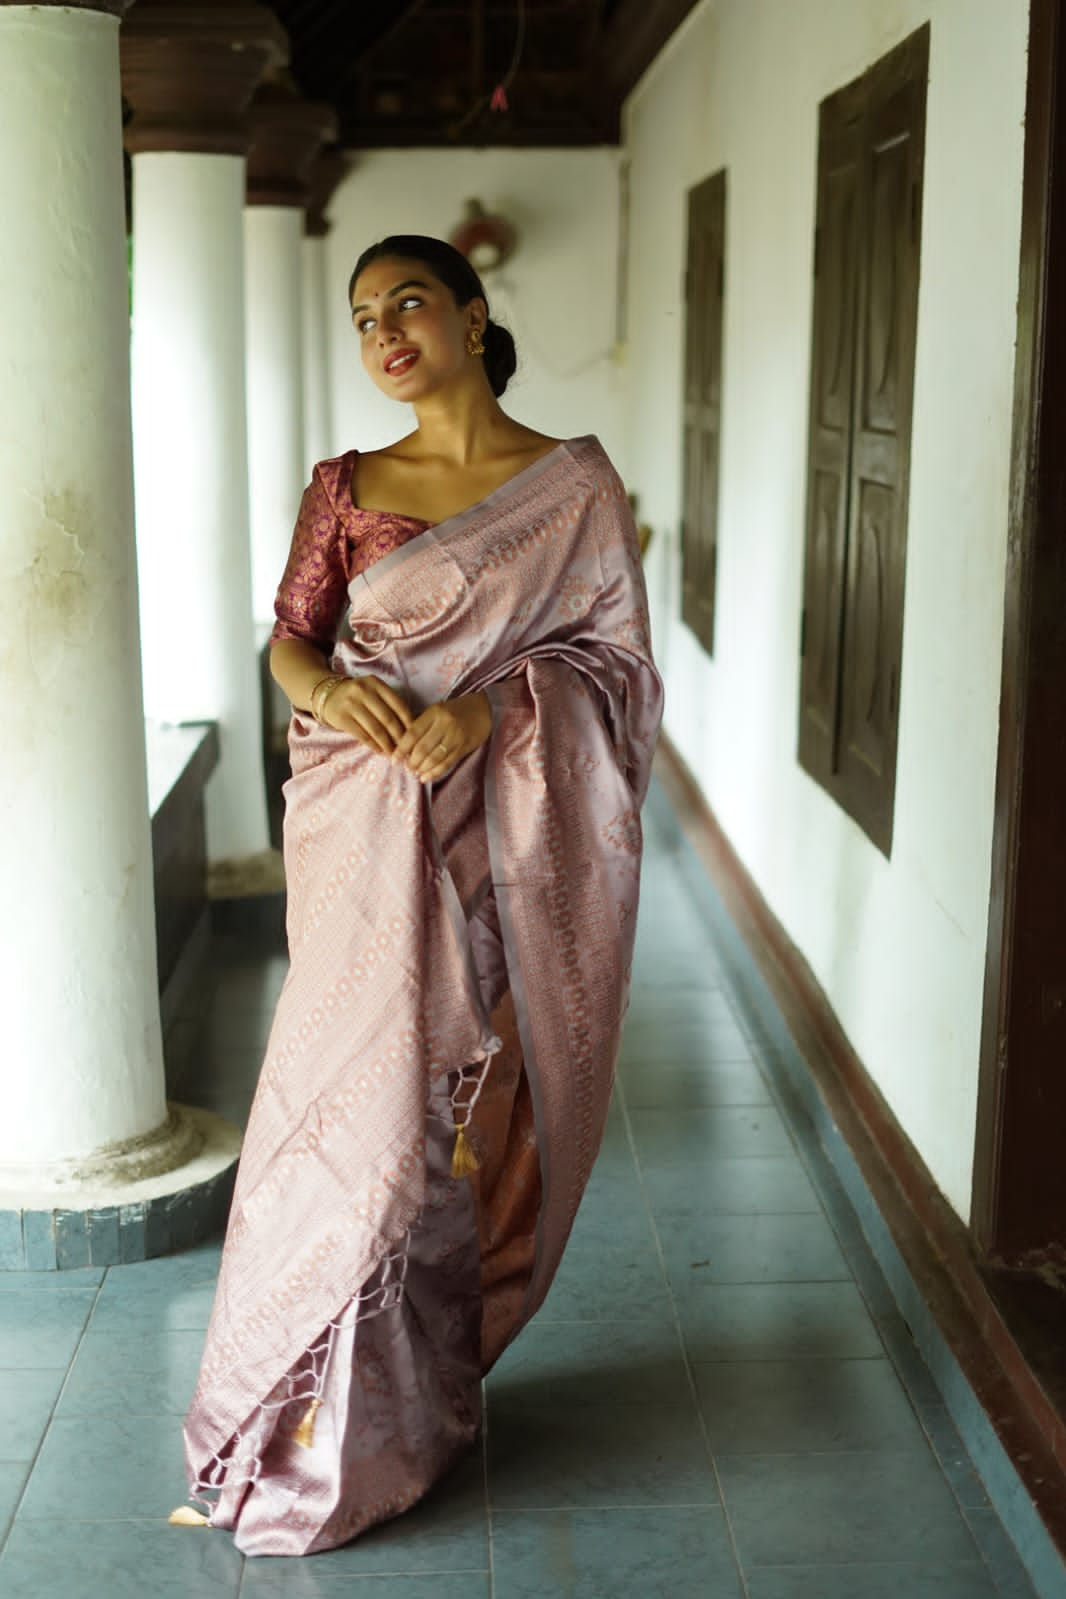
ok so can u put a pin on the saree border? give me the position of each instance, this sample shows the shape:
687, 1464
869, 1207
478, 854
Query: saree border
438, 532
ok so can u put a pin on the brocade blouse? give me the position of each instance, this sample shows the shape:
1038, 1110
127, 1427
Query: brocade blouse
333, 542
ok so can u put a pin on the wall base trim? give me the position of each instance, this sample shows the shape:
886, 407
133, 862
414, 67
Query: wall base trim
1014, 1433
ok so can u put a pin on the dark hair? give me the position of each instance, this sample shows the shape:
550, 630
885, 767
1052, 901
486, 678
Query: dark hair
455, 272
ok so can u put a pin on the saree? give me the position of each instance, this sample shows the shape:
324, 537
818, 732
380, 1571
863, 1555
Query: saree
438, 1072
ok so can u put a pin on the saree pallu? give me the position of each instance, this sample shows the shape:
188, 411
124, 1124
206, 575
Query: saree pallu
460, 954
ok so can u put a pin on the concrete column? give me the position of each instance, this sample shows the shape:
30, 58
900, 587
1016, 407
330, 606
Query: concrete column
286, 135
84, 1109
323, 306
274, 308
318, 406
190, 87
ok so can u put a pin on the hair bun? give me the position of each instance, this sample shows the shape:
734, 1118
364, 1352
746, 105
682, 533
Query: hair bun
501, 357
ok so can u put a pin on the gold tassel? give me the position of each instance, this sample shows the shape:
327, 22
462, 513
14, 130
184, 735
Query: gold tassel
464, 1161
186, 1516
305, 1432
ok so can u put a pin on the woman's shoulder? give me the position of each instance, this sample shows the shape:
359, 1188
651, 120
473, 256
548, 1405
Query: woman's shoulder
587, 449
592, 461
334, 476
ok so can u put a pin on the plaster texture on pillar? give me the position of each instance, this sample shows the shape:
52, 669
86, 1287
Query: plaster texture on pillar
192, 472
84, 1114
82, 1050
318, 313
274, 321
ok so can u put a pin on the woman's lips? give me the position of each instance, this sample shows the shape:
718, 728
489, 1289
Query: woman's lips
399, 362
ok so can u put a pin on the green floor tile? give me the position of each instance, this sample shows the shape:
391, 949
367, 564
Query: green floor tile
614, 1554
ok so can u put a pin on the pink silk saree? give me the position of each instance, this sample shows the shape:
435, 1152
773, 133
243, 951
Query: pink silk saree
460, 954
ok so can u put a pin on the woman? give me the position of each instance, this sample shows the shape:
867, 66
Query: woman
462, 848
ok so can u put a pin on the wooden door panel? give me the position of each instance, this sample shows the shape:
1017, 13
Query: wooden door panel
704, 280
691, 576
835, 307
888, 239
829, 439
867, 708
825, 578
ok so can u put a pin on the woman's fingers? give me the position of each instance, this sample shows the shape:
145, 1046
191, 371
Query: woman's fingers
406, 744
432, 760
387, 709
431, 746
434, 774
394, 701
356, 721
372, 711
422, 737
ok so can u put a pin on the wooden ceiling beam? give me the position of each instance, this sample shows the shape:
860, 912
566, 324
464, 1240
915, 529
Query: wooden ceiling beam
633, 38
373, 136
401, 52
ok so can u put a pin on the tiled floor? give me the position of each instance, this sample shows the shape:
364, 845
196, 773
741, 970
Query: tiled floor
718, 1399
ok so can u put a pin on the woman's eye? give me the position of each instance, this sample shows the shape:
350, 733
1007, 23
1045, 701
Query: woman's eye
409, 302
364, 324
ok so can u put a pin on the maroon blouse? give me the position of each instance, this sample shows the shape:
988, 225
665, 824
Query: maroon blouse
333, 542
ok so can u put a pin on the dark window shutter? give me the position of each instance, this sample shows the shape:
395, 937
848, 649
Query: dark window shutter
871, 147
704, 295
884, 380
829, 440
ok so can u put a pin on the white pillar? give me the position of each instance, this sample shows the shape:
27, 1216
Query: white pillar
191, 467
82, 1054
322, 304
274, 321
318, 409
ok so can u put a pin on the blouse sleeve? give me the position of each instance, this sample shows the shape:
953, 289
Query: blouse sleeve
312, 592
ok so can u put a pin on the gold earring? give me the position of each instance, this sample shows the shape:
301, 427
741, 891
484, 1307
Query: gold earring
474, 342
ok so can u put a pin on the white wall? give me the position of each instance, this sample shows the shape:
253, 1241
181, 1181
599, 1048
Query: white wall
898, 945
557, 294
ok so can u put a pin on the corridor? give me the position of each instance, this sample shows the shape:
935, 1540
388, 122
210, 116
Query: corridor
718, 1399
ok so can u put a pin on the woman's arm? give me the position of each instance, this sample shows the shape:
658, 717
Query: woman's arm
296, 667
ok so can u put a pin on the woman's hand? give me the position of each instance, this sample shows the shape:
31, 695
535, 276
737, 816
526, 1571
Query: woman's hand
370, 711
438, 740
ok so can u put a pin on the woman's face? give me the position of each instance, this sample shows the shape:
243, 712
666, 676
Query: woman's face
411, 333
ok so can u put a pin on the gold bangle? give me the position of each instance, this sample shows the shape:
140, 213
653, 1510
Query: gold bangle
320, 693
319, 683
327, 677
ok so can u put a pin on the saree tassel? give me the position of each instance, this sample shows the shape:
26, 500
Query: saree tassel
186, 1516
464, 1161
305, 1432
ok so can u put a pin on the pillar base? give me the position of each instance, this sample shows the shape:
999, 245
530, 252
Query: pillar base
96, 1222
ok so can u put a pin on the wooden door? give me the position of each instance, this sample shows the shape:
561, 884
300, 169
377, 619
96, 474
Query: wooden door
1019, 1193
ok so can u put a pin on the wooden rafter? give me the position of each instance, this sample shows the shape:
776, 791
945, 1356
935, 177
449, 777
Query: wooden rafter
421, 72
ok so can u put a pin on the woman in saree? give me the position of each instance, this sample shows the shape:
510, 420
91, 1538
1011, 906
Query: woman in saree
462, 853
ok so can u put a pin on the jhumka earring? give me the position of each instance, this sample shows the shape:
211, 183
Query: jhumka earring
474, 343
